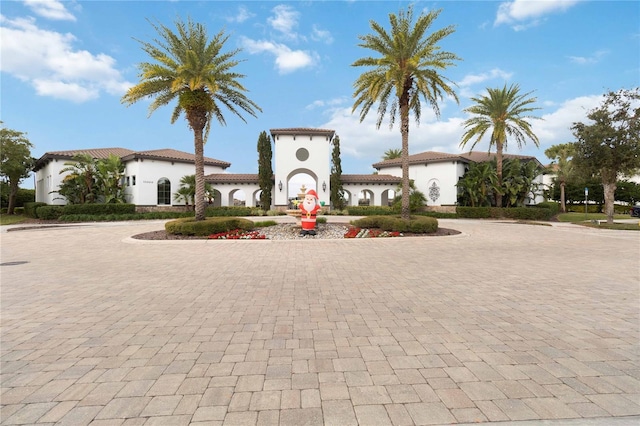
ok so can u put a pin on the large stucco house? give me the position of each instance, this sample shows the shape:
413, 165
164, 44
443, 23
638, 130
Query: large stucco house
152, 177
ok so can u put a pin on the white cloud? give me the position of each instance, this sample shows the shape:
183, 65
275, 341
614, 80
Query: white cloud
285, 21
593, 59
330, 103
287, 60
362, 140
321, 35
474, 79
48, 61
529, 11
50, 9
242, 15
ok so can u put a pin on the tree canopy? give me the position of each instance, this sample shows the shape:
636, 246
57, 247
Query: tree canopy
15, 161
405, 73
193, 70
609, 146
265, 169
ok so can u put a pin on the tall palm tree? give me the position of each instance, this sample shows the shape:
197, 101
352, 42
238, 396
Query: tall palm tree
194, 70
503, 111
560, 156
407, 69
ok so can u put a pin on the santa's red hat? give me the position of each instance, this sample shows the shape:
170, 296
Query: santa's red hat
312, 192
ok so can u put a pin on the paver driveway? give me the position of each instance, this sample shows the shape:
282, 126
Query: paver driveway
505, 322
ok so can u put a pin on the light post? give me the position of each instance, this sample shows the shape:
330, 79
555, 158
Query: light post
586, 197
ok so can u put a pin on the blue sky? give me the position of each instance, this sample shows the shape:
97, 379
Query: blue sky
66, 64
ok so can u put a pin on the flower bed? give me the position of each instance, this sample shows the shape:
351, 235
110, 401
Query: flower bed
355, 232
237, 234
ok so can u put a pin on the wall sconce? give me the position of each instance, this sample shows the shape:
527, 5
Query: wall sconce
324, 186
280, 186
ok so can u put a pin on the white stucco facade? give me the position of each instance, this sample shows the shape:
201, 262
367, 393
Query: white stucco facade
301, 150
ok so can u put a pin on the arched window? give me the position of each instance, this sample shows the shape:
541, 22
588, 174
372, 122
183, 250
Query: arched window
164, 191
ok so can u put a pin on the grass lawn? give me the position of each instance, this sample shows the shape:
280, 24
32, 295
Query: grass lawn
579, 219
6, 219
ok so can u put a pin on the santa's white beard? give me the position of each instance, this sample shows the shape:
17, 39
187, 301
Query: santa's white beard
308, 206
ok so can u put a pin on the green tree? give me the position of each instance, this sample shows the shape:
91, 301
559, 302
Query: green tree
335, 181
265, 170
79, 185
194, 70
503, 111
407, 70
109, 180
519, 181
609, 147
561, 165
15, 161
392, 154
417, 199
478, 184
187, 190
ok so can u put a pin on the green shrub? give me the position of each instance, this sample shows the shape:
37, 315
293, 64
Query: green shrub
30, 209
228, 211
99, 209
203, 228
416, 224
321, 220
276, 213
49, 212
265, 223
519, 213
553, 206
369, 210
437, 215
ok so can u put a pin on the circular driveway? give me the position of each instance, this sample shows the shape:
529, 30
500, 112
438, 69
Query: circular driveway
505, 322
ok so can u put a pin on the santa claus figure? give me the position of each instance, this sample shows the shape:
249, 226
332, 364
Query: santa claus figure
309, 208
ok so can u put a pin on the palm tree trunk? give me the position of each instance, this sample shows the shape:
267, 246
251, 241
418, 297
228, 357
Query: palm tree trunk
563, 203
199, 160
499, 173
405, 212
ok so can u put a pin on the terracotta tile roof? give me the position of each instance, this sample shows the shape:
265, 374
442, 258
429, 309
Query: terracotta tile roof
372, 178
232, 178
436, 157
421, 158
127, 154
295, 131
68, 155
174, 155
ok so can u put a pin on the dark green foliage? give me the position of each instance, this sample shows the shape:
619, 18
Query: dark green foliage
337, 191
15, 162
321, 220
369, 210
98, 209
626, 191
50, 212
520, 213
190, 226
265, 223
417, 199
22, 196
265, 170
230, 211
30, 209
416, 224
551, 205
438, 215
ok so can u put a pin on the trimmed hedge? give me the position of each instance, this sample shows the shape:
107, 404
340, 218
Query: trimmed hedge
97, 209
49, 212
552, 205
232, 211
417, 224
203, 228
520, 213
30, 209
370, 210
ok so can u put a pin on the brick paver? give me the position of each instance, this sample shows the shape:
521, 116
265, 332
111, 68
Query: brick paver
506, 322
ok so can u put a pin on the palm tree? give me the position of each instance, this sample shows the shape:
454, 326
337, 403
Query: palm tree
502, 111
392, 154
78, 187
406, 70
560, 156
192, 69
187, 190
